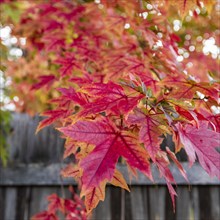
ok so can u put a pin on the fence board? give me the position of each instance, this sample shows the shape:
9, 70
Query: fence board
2, 203
169, 212
10, 201
128, 212
104, 208
46, 146
50, 175
138, 207
115, 194
205, 203
183, 203
157, 202
195, 203
215, 199
22, 202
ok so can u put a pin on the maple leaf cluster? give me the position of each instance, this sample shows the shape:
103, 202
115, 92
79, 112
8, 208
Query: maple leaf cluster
122, 90
69, 208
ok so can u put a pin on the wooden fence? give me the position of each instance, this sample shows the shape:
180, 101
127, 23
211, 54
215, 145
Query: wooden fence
33, 174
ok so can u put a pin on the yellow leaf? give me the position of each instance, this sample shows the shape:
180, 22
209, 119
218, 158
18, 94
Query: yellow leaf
118, 180
93, 196
184, 6
209, 5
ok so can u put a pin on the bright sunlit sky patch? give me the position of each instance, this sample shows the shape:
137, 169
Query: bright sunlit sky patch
10, 42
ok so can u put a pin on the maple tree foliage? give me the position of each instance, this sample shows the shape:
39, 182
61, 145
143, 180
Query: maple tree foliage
116, 88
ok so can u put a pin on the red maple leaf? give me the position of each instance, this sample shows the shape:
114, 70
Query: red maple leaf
110, 143
68, 64
181, 88
201, 142
70, 95
178, 164
53, 116
46, 80
150, 130
108, 97
214, 119
55, 203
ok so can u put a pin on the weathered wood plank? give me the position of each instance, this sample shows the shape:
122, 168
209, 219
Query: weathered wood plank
41, 174
195, 203
103, 210
22, 203
215, 201
2, 202
28, 147
157, 202
183, 203
139, 210
205, 203
33, 174
169, 212
128, 212
115, 194
10, 203
145, 201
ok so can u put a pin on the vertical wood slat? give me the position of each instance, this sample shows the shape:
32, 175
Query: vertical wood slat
183, 203
122, 204
2, 203
10, 203
22, 203
169, 214
195, 203
205, 203
103, 210
157, 203
115, 194
215, 202
138, 205
128, 212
